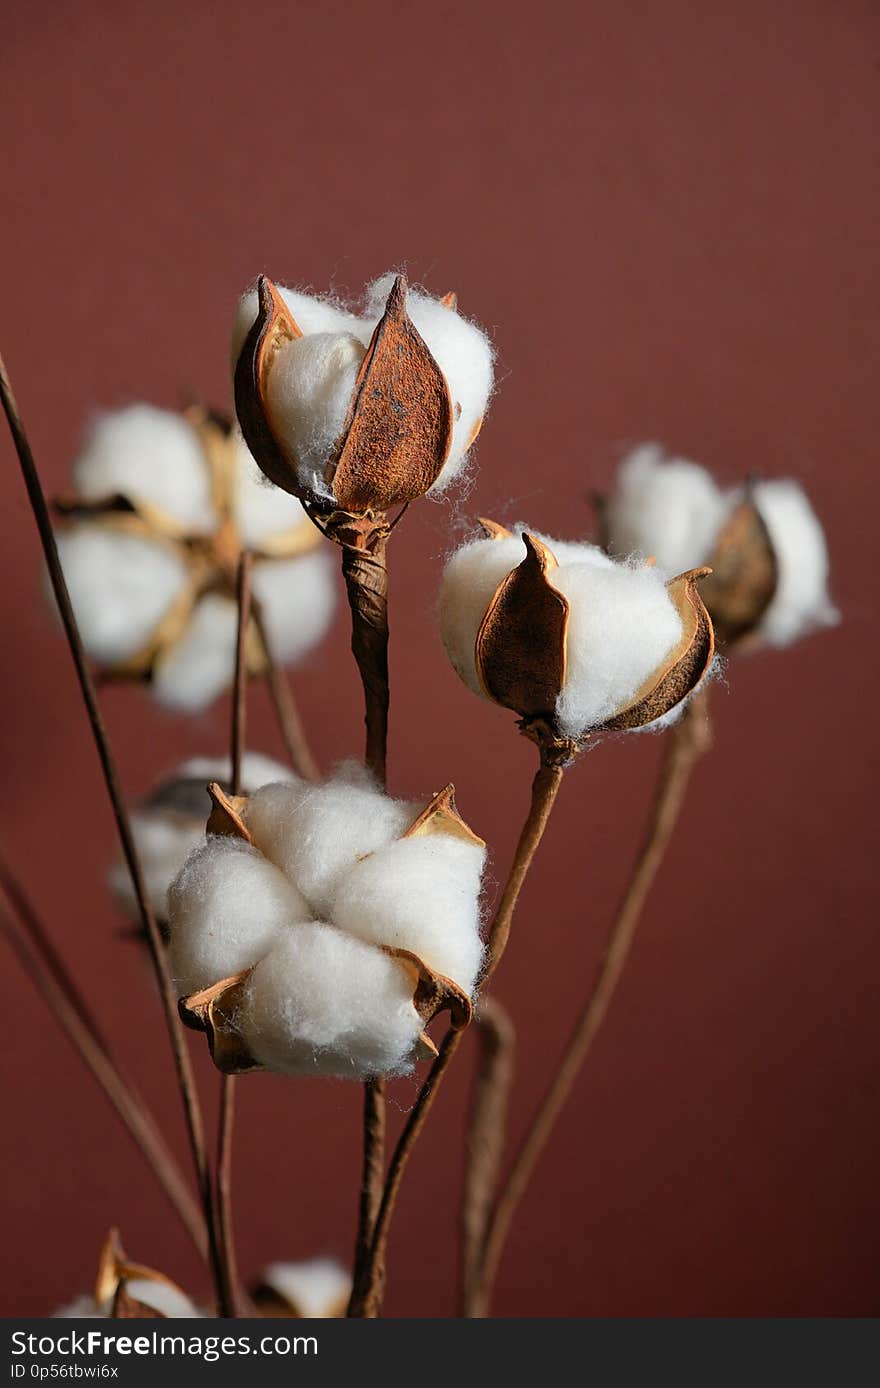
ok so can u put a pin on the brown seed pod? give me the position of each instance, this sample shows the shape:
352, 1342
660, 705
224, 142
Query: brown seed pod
744, 575
398, 431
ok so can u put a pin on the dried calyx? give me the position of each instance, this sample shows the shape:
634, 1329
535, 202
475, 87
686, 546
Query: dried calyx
350, 920
577, 646
128, 1290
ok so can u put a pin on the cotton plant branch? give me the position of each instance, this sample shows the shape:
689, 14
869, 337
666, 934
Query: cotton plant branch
183, 1067
366, 1300
31, 943
687, 742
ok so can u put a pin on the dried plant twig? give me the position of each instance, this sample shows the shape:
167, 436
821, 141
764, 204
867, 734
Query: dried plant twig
185, 1078
688, 740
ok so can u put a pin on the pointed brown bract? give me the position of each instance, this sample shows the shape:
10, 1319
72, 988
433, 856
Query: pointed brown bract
440, 816
450, 300
273, 327
226, 814
212, 1010
433, 993
115, 1270
520, 648
399, 428
744, 575
685, 665
494, 531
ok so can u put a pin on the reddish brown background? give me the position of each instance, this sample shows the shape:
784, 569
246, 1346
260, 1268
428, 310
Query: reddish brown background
667, 215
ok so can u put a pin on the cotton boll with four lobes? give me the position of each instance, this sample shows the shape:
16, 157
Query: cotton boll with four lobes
226, 908
149, 455
323, 1003
316, 832
419, 894
298, 600
666, 508
800, 602
309, 391
121, 586
311, 1289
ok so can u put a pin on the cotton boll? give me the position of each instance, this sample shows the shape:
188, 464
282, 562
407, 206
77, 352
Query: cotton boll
470, 580
198, 667
150, 455
317, 1287
121, 586
298, 599
316, 833
261, 510
322, 1003
464, 355
419, 894
226, 908
801, 601
622, 625
308, 394
667, 508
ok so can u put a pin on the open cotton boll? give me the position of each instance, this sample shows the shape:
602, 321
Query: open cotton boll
667, 508
464, 354
801, 601
469, 583
298, 599
261, 510
316, 833
323, 1003
308, 394
200, 665
226, 907
420, 894
121, 586
622, 624
150, 455
316, 1287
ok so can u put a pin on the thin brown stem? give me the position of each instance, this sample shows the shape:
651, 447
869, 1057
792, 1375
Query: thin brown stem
485, 1135
239, 691
290, 722
185, 1078
687, 742
367, 1293
46, 971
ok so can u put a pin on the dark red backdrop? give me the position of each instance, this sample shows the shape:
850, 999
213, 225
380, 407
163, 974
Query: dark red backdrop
667, 215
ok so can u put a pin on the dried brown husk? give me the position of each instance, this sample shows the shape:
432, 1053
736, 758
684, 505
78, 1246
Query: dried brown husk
115, 1271
521, 648
398, 431
744, 576
213, 1010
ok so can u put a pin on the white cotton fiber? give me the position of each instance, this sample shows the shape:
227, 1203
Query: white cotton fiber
198, 667
311, 314
470, 580
801, 601
323, 1003
298, 598
309, 392
151, 455
261, 510
171, 1301
461, 350
420, 894
316, 1287
121, 586
622, 624
665, 508
226, 907
316, 833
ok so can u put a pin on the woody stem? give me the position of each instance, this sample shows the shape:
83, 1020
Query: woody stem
687, 742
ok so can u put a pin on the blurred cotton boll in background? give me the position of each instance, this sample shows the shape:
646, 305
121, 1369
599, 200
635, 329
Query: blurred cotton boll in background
163, 506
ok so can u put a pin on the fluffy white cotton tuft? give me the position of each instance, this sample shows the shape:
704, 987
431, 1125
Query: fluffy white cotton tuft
464, 354
420, 894
261, 510
150, 455
226, 907
470, 580
121, 587
170, 1301
298, 598
667, 508
316, 833
801, 602
323, 1003
317, 1287
309, 391
622, 624
198, 667
312, 315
